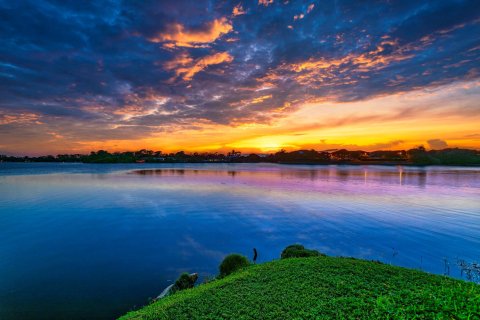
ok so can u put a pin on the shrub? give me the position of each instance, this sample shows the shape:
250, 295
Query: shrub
232, 263
299, 251
185, 281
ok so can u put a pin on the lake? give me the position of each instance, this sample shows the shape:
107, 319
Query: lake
91, 241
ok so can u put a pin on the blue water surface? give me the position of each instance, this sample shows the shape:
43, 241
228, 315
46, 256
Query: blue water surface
92, 241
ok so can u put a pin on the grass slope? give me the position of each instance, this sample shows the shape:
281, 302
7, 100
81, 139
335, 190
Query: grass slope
321, 288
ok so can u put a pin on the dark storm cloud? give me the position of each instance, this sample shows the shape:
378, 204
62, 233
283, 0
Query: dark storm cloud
146, 64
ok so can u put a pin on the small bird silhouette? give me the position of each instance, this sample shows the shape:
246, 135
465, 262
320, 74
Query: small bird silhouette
255, 254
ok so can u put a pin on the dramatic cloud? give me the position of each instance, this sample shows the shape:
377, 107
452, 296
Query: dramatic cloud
265, 2
238, 10
177, 34
19, 118
119, 70
185, 67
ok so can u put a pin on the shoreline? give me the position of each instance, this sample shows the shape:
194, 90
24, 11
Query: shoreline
366, 163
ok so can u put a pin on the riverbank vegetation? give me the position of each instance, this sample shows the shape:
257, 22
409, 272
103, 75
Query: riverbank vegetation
319, 287
418, 156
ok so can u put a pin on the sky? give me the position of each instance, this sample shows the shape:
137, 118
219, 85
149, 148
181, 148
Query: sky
255, 76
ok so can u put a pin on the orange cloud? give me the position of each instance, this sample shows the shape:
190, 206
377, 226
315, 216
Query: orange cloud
186, 67
182, 59
23, 118
247, 102
374, 58
265, 3
327, 72
312, 64
362, 61
261, 99
238, 10
179, 36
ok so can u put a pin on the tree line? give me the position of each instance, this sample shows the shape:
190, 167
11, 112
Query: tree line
420, 156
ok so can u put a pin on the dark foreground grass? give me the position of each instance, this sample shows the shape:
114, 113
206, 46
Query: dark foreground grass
321, 288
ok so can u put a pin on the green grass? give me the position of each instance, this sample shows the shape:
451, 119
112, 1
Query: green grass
321, 288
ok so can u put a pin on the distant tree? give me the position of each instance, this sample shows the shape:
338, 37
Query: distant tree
421, 157
452, 156
252, 158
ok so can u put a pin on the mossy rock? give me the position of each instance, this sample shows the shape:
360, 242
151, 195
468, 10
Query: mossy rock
185, 281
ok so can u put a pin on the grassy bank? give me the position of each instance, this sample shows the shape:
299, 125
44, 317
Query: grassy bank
321, 288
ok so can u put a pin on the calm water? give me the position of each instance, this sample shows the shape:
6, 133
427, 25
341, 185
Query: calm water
82, 241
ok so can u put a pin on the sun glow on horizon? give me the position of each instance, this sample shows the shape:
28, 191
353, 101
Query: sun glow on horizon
398, 121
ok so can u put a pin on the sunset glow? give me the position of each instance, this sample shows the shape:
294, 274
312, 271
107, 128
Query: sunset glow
251, 76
